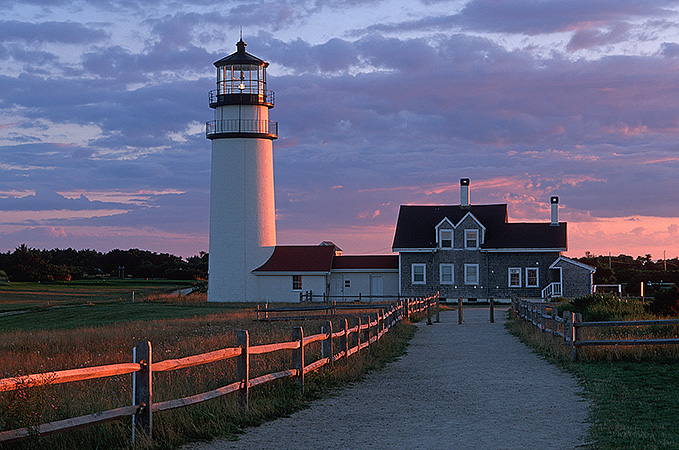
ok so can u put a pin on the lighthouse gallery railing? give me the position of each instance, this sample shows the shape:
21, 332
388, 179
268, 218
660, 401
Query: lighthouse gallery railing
241, 126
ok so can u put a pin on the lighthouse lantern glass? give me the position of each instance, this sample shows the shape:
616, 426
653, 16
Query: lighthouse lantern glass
241, 79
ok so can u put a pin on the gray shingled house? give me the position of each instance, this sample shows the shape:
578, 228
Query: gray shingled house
473, 252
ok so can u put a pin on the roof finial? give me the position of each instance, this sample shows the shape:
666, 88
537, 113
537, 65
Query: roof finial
241, 32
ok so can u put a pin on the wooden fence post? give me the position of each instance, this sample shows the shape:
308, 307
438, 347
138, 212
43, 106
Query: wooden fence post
492, 310
428, 311
326, 344
438, 309
359, 333
143, 389
569, 332
298, 355
344, 341
243, 367
459, 310
577, 336
366, 333
381, 321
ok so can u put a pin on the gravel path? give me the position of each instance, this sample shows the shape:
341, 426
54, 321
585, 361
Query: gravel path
469, 386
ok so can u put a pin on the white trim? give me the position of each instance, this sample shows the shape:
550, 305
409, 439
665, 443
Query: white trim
572, 261
522, 250
466, 278
424, 273
515, 270
445, 220
537, 277
413, 250
287, 273
375, 271
452, 273
400, 273
482, 235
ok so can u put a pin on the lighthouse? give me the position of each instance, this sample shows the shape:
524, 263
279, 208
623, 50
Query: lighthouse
242, 209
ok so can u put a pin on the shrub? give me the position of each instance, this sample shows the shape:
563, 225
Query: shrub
665, 303
605, 307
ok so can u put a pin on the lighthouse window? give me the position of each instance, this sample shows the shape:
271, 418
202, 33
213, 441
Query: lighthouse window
297, 282
241, 78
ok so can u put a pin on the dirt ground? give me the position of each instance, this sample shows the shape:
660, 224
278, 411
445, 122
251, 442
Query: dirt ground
468, 386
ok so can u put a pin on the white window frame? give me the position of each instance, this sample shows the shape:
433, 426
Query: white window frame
294, 281
514, 271
537, 276
452, 273
467, 278
441, 239
469, 232
424, 273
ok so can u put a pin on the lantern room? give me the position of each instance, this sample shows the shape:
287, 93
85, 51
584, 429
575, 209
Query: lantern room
241, 79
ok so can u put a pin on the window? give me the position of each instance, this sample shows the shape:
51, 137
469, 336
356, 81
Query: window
532, 279
297, 282
471, 274
514, 277
446, 274
471, 238
446, 238
419, 273
347, 283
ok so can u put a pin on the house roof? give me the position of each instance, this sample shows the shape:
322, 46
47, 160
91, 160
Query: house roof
416, 225
563, 259
527, 235
322, 258
366, 262
299, 258
416, 228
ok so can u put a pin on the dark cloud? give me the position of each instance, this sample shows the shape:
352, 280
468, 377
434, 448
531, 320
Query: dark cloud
539, 16
58, 32
49, 200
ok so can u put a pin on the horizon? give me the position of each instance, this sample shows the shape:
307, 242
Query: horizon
379, 104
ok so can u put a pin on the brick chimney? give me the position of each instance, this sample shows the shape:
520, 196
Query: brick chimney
464, 191
555, 211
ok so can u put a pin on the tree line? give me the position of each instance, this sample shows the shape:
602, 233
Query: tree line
630, 272
30, 264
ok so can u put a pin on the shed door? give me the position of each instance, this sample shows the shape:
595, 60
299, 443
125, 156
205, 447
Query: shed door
336, 286
376, 286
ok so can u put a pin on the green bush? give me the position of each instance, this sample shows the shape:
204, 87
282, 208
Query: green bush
605, 307
665, 303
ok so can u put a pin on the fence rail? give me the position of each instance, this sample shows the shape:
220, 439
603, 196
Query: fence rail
543, 316
367, 330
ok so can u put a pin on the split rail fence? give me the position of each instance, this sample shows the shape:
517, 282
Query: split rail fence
568, 327
335, 345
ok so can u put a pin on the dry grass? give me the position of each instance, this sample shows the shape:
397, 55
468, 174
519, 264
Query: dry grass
26, 352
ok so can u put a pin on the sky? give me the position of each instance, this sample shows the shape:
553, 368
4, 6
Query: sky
103, 105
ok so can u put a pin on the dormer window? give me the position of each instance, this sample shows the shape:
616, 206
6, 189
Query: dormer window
471, 239
446, 238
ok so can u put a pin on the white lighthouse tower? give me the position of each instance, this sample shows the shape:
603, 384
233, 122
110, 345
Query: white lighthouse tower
242, 210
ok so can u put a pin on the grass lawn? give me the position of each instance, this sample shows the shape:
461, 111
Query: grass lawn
24, 295
98, 314
634, 402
